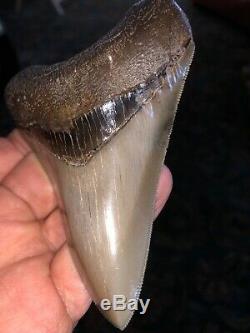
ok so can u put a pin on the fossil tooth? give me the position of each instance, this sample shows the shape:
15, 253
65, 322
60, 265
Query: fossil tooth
103, 120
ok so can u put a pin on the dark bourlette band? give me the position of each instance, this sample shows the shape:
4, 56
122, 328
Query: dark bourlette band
91, 131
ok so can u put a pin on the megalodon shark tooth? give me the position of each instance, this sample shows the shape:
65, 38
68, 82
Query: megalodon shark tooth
103, 120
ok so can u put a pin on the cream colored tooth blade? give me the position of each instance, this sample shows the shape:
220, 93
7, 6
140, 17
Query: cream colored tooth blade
110, 203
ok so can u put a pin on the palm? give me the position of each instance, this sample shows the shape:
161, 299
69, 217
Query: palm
40, 289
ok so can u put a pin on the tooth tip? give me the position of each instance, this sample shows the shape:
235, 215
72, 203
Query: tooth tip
119, 319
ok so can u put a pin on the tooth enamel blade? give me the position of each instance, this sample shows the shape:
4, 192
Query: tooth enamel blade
110, 203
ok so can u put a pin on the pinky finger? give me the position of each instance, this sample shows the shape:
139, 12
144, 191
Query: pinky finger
165, 186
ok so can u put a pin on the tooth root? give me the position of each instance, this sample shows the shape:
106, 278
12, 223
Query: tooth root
109, 202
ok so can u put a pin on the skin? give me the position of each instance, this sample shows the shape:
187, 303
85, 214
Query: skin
40, 289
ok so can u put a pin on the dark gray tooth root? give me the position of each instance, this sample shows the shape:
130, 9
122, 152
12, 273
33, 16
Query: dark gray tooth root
103, 120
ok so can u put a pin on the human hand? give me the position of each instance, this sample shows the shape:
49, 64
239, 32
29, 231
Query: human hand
40, 289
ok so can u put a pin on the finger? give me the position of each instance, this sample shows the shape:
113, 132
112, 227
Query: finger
30, 183
9, 157
29, 300
55, 229
22, 241
19, 142
69, 284
164, 189
13, 208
